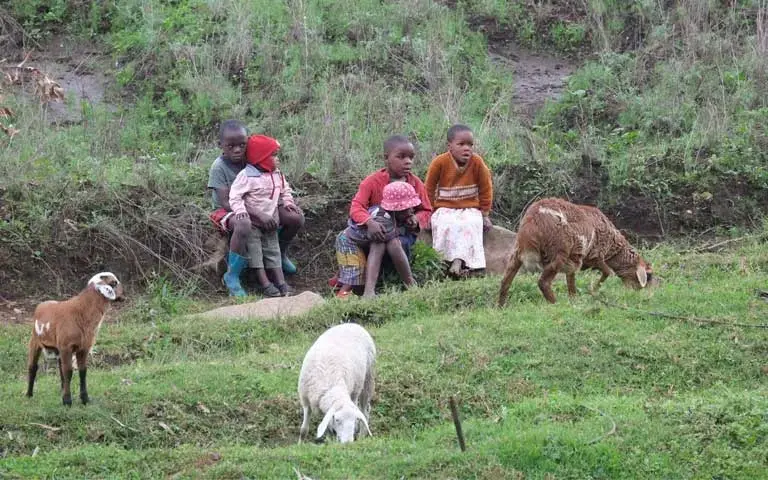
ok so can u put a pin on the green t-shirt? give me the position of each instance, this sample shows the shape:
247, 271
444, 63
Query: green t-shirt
221, 175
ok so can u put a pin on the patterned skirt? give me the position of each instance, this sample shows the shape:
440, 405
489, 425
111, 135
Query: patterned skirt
352, 258
458, 233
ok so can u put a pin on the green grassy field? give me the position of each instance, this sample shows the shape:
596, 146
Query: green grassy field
575, 390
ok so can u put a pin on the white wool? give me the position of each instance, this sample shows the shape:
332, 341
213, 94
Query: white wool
337, 376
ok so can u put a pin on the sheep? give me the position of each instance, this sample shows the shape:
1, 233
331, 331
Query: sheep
558, 236
62, 329
337, 378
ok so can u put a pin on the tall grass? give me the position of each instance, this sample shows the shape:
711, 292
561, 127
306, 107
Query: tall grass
667, 117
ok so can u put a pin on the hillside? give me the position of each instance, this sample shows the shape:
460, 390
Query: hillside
661, 122
654, 111
575, 390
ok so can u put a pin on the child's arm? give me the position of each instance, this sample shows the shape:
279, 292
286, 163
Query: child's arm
218, 183
424, 212
433, 179
236, 194
287, 197
358, 212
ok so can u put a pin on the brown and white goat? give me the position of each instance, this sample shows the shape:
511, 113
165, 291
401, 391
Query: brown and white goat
70, 327
558, 236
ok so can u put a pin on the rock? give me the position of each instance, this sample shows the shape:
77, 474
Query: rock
497, 242
267, 308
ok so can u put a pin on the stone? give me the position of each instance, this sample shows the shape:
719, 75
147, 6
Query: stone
497, 243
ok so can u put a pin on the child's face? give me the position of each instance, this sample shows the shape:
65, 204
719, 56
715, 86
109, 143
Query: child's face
461, 146
403, 215
400, 159
232, 145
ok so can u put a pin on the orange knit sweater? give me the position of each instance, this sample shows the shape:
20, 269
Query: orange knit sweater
453, 187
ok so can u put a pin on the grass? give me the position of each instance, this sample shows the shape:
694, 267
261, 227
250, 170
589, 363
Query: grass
540, 387
663, 125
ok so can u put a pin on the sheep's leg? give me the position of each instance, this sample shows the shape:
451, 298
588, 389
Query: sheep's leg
82, 363
61, 374
66, 371
32, 364
509, 275
549, 274
304, 424
570, 280
606, 272
570, 277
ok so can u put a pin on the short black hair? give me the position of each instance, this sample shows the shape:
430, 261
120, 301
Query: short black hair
457, 129
394, 141
228, 125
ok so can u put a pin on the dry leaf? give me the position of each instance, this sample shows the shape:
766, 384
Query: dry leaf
5, 112
166, 427
10, 131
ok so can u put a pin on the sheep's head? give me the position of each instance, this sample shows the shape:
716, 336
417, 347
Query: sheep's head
639, 276
343, 421
107, 284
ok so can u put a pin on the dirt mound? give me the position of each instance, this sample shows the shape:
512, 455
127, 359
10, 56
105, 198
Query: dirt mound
267, 308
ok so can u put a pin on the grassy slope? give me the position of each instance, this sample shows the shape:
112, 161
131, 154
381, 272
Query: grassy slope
540, 387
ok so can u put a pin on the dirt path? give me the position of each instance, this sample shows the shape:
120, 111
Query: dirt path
538, 76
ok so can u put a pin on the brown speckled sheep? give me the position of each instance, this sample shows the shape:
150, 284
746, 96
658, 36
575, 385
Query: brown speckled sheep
558, 236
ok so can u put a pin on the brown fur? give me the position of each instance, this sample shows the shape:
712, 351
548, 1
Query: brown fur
558, 236
69, 328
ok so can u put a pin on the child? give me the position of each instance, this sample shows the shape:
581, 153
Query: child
232, 140
398, 155
394, 213
257, 190
459, 185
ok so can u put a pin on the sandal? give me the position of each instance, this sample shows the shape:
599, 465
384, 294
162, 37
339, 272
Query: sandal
286, 290
344, 295
271, 291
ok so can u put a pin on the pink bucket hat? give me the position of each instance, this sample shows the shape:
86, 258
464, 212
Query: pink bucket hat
399, 196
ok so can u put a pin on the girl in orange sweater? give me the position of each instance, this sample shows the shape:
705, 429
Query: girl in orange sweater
461, 191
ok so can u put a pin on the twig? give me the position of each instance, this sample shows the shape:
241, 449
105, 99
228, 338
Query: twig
457, 424
684, 318
124, 425
708, 248
47, 427
605, 435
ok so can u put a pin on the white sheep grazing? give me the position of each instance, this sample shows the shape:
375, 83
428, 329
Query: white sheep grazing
337, 378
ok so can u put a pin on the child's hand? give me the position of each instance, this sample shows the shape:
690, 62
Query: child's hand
412, 223
264, 222
241, 216
375, 230
293, 208
487, 224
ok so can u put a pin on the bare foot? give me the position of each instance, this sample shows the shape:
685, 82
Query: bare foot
456, 267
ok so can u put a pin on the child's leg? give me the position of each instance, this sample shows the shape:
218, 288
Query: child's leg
400, 260
270, 248
290, 223
373, 267
351, 260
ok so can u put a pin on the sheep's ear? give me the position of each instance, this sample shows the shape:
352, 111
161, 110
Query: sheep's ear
324, 424
107, 291
642, 276
360, 415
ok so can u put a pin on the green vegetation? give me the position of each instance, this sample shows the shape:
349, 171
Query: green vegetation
664, 126
540, 386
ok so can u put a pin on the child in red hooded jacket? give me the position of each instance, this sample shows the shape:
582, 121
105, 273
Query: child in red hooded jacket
258, 190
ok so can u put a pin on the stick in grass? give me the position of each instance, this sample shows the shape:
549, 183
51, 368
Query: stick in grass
457, 424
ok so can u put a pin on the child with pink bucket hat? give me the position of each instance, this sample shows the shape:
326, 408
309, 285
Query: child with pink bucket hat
396, 209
